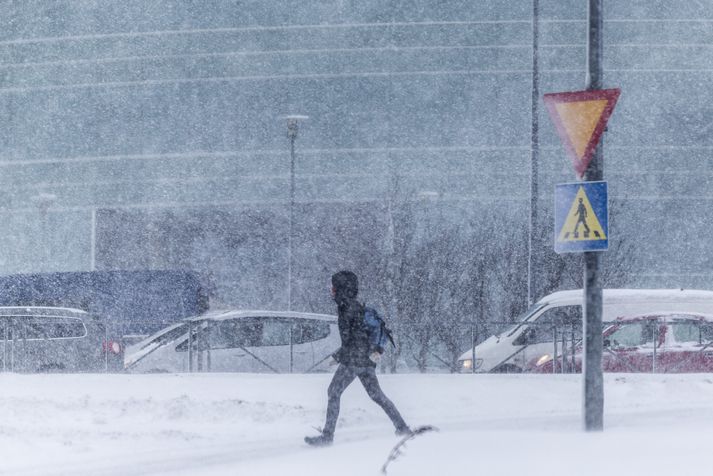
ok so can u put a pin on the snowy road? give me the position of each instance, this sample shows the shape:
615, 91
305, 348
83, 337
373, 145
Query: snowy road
225, 424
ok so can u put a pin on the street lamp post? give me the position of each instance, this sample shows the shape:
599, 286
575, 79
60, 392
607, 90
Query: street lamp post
44, 201
292, 129
429, 198
93, 241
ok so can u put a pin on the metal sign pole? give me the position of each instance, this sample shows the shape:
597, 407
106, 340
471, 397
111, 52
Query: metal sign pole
534, 157
593, 382
4, 345
190, 347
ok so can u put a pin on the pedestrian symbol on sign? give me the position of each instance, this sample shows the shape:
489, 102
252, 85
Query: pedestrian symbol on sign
582, 218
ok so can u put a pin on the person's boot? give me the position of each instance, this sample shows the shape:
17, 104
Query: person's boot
403, 431
322, 439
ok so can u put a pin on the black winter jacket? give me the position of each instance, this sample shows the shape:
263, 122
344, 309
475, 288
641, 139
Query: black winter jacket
355, 349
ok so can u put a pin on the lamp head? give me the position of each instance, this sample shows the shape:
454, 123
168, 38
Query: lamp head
292, 121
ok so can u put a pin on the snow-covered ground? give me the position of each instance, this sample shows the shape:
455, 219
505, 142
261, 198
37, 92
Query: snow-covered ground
238, 424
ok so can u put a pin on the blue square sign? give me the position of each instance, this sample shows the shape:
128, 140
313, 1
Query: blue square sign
581, 217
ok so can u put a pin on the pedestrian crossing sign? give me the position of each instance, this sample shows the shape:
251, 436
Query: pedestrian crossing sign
581, 217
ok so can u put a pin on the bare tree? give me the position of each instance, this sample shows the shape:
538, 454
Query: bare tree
444, 280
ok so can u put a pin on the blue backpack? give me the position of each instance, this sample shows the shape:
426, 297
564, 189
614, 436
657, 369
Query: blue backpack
379, 335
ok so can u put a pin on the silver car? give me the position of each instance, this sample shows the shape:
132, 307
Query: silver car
53, 339
239, 341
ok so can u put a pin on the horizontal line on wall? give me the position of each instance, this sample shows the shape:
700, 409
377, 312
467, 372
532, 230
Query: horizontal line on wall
660, 147
623, 172
318, 151
416, 149
658, 45
201, 31
263, 53
655, 275
650, 70
110, 158
286, 77
308, 51
58, 186
488, 199
484, 199
658, 198
332, 26
506, 147
231, 153
657, 20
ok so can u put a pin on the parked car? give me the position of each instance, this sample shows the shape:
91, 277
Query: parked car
132, 303
558, 317
239, 341
663, 343
54, 339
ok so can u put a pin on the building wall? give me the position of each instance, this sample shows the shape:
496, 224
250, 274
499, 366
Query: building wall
136, 114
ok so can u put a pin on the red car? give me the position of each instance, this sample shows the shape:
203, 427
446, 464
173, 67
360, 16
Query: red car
663, 343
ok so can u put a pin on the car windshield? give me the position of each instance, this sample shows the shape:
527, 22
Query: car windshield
524, 317
167, 336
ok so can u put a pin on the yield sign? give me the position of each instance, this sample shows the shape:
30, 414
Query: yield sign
580, 118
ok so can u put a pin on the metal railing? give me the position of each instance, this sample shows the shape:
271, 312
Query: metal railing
200, 351
644, 346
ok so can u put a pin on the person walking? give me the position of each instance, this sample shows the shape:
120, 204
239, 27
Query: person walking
356, 357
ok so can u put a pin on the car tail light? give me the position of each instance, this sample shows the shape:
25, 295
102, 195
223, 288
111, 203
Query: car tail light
111, 346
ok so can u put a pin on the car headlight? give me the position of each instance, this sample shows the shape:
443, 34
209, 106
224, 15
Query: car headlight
543, 360
467, 364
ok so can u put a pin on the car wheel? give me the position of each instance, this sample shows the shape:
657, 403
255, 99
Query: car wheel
157, 371
49, 368
507, 369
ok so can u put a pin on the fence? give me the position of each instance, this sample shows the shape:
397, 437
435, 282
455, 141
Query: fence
656, 344
663, 344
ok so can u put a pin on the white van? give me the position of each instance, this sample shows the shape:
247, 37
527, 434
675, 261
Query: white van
239, 341
559, 314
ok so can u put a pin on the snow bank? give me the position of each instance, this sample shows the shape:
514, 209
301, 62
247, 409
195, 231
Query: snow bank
234, 424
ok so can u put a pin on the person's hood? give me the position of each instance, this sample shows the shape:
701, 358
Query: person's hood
346, 286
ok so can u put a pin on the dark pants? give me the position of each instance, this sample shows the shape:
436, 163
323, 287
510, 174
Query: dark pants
367, 375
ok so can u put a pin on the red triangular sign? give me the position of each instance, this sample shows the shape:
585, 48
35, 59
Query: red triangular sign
580, 118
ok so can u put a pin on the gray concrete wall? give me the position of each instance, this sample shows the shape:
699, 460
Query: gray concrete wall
156, 108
